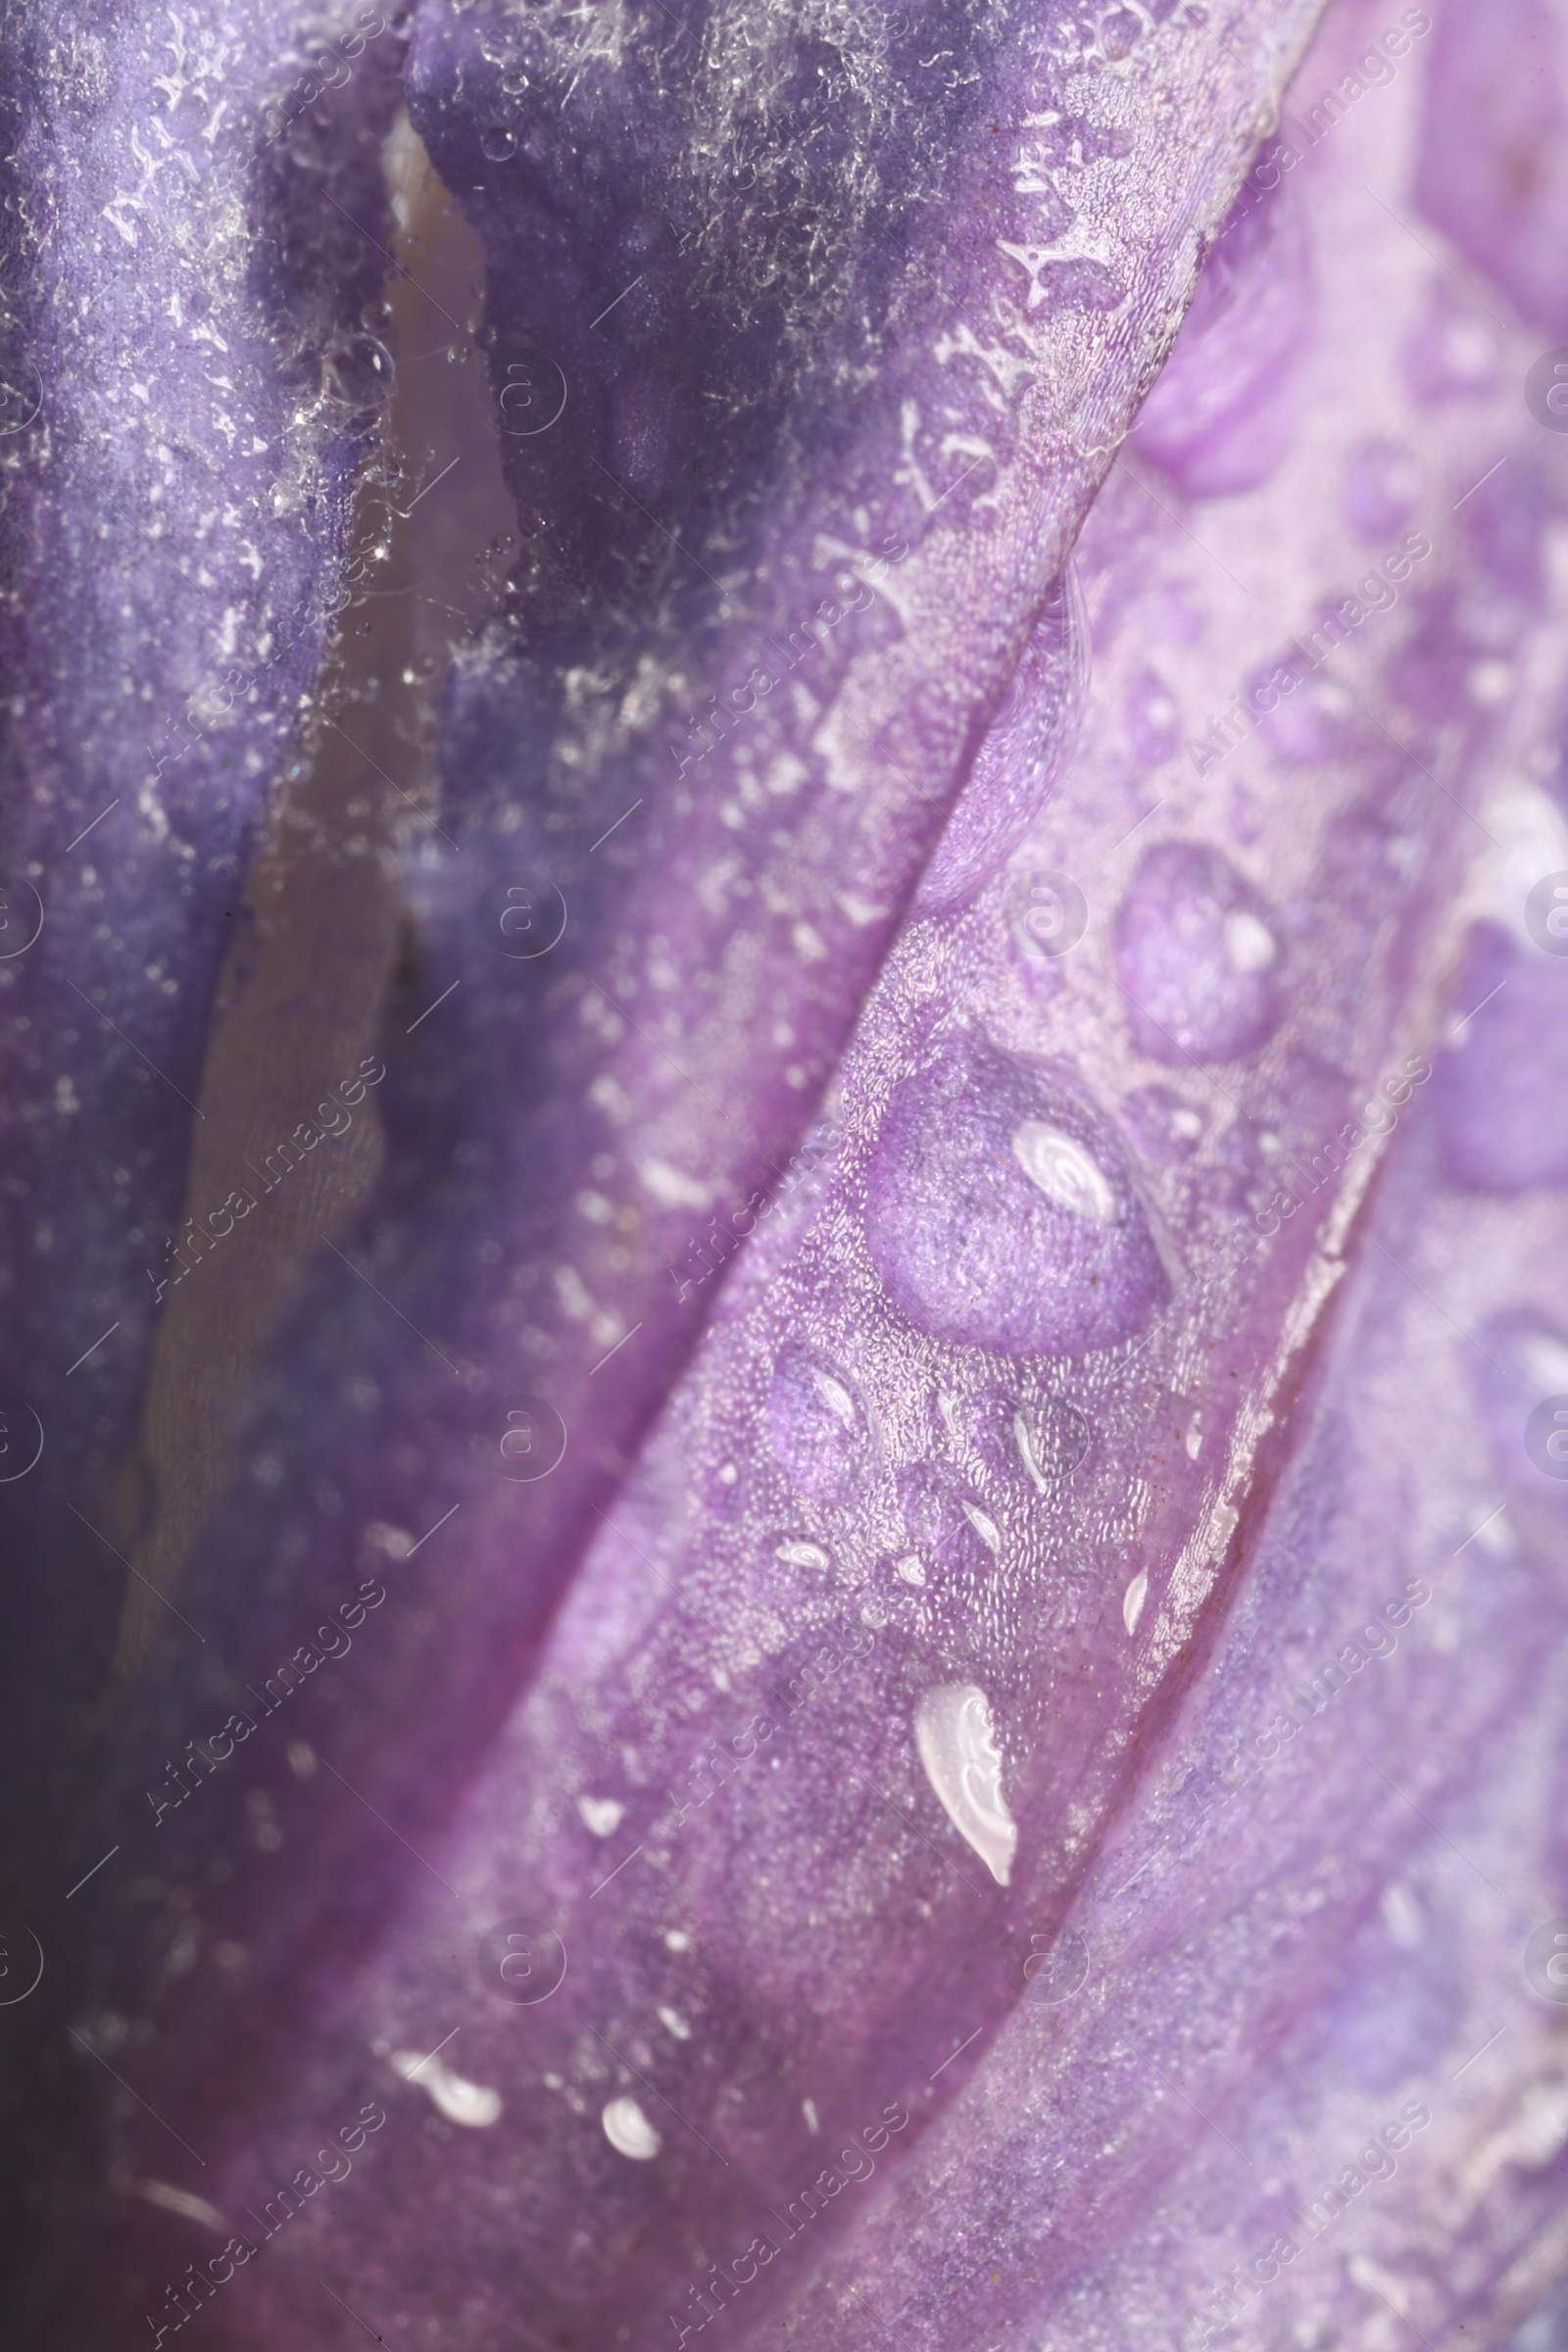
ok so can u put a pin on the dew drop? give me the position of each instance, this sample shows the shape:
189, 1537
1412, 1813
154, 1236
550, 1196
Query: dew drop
819, 1426
472, 2104
1451, 351
1304, 716
357, 370
1162, 1125
1198, 955
1501, 1093
1119, 32
1249, 944
603, 1814
1152, 719
498, 142
1052, 1440
801, 1554
951, 1525
1380, 490
1222, 415
999, 1211
628, 2131
957, 1746
1520, 1381
1063, 1171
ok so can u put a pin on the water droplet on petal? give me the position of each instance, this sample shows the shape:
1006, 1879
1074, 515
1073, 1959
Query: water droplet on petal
1046, 1440
797, 1552
1151, 718
472, 2104
1303, 715
357, 370
1063, 1171
497, 142
1050, 1441
1162, 1125
1222, 414
1500, 1091
817, 1424
1453, 350
999, 1211
951, 1525
1198, 957
1133, 1600
1380, 491
628, 2131
1249, 944
957, 1744
603, 1814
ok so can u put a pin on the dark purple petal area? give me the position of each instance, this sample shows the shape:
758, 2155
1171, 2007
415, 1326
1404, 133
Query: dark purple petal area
190, 393
651, 1057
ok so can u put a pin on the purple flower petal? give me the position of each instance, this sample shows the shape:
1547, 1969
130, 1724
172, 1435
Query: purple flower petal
800, 1796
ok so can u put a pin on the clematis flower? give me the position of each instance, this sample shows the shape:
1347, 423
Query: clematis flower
809, 1581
